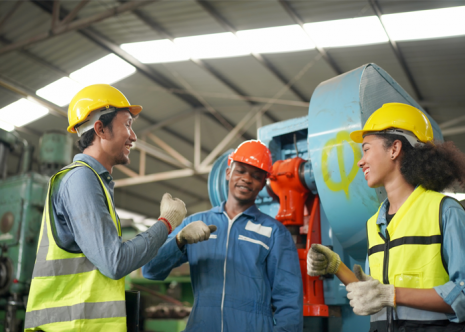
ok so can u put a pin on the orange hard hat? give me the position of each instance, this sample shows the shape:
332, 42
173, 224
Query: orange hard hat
253, 153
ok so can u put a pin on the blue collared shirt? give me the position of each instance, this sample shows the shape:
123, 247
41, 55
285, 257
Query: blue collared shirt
453, 293
83, 223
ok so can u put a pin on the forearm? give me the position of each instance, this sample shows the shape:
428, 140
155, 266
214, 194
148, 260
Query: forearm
424, 299
169, 257
345, 274
121, 258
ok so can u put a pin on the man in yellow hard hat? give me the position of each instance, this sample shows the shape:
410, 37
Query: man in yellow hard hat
78, 278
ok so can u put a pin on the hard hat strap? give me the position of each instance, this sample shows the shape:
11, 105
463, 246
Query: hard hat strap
88, 124
411, 138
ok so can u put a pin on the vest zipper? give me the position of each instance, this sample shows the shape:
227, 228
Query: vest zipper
230, 223
389, 313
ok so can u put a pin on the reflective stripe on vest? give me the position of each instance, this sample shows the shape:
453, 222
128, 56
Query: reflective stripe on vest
67, 291
410, 255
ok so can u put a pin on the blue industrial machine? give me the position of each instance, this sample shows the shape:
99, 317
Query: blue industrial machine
22, 198
316, 189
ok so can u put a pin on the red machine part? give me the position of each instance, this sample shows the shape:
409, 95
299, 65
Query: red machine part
286, 184
298, 208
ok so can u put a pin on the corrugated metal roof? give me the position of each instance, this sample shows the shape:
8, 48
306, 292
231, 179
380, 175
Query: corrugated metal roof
390, 7
244, 15
183, 19
318, 11
435, 63
437, 66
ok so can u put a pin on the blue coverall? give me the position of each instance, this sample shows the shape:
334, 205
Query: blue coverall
246, 277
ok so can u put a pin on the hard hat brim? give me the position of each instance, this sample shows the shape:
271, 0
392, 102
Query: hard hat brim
357, 135
133, 109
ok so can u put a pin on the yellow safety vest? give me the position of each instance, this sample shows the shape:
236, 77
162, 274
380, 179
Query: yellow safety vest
68, 293
410, 255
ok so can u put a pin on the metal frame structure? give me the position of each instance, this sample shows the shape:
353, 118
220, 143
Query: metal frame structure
63, 21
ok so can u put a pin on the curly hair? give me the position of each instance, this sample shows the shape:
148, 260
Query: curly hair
435, 166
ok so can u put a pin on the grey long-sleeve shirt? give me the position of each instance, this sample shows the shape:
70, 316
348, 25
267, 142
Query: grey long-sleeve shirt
83, 223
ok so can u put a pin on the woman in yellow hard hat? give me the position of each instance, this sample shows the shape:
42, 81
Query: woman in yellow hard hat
415, 250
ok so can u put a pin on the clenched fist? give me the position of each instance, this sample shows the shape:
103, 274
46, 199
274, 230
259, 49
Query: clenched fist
173, 210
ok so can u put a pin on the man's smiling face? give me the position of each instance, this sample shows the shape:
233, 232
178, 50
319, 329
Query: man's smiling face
245, 182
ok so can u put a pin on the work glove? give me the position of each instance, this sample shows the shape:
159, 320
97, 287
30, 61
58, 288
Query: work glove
321, 260
195, 232
172, 210
369, 296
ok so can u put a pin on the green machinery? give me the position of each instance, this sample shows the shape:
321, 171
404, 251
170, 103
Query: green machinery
22, 198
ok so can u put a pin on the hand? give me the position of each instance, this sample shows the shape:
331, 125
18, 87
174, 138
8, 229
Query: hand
369, 296
173, 210
360, 274
195, 232
321, 260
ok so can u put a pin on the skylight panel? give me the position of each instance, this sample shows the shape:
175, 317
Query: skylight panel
218, 45
275, 40
22, 112
109, 69
156, 51
347, 32
6, 126
426, 24
60, 92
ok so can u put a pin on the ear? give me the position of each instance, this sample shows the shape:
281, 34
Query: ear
99, 130
395, 149
228, 173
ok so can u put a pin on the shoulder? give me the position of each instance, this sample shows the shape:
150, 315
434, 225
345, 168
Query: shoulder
450, 203
268, 221
76, 180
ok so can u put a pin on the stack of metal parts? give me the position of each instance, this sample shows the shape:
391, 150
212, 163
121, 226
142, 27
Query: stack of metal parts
167, 310
22, 198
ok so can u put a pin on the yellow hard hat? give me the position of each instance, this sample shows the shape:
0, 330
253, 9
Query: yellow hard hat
397, 116
94, 97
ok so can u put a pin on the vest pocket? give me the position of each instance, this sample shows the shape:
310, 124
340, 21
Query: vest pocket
409, 279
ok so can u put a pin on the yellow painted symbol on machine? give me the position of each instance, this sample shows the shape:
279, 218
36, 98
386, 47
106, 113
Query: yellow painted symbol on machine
342, 139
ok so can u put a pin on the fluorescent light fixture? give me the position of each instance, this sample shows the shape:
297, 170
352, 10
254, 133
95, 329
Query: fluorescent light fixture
108, 70
156, 51
426, 24
22, 112
457, 196
275, 40
218, 45
347, 32
60, 92
6, 126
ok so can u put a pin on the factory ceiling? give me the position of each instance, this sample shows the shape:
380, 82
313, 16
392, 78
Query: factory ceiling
207, 101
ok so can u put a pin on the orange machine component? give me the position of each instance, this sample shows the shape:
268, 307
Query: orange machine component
285, 183
314, 300
299, 211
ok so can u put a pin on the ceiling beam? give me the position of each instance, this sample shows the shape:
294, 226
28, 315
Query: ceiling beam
144, 69
260, 58
201, 63
10, 13
296, 17
57, 29
398, 53
26, 93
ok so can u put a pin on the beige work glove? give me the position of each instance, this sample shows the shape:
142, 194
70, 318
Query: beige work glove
321, 260
195, 232
173, 210
369, 296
